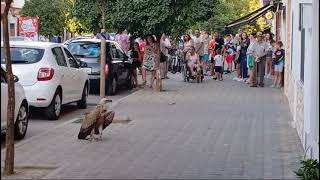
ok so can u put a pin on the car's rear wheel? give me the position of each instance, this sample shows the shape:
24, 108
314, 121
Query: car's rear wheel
82, 104
21, 124
112, 87
54, 109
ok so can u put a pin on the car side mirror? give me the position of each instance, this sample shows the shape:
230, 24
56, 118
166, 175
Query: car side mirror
15, 78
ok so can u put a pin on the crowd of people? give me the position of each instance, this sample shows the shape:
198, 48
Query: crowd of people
252, 56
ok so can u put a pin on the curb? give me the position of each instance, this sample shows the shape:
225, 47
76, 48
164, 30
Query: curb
113, 105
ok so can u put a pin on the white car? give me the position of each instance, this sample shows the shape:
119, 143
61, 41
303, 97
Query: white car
50, 75
21, 111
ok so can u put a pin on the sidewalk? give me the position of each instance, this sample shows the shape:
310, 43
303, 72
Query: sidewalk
208, 130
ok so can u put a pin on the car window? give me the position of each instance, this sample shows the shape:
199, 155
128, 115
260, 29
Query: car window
59, 56
21, 55
114, 50
3, 76
73, 62
85, 49
120, 52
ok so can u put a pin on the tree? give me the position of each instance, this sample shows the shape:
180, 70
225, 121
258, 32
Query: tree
226, 11
50, 13
92, 15
9, 159
88, 13
157, 17
72, 24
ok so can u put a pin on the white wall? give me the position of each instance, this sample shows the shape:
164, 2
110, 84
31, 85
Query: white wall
311, 85
18, 3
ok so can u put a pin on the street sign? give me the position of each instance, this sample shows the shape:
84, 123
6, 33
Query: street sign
29, 27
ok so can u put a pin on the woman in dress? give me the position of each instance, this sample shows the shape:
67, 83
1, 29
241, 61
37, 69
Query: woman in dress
270, 43
150, 61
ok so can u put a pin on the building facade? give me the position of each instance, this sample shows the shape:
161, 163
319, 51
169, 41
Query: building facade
13, 16
300, 34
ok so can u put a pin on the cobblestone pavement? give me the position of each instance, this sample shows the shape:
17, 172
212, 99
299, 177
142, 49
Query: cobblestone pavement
209, 130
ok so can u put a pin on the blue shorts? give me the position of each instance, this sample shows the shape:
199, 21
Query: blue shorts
206, 57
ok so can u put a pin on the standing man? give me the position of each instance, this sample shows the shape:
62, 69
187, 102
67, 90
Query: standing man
198, 45
163, 57
260, 49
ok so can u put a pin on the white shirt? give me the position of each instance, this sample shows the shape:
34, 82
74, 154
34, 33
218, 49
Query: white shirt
218, 60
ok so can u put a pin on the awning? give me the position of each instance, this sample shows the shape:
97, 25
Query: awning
251, 17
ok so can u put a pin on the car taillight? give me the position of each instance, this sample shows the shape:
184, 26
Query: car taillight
106, 68
45, 74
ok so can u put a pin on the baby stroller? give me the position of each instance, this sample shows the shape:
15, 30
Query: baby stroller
187, 74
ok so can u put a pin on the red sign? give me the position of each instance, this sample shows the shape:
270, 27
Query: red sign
29, 27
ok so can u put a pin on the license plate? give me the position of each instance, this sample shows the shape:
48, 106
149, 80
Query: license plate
87, 70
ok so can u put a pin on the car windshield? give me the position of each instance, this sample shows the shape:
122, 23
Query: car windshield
84, 49
21, 55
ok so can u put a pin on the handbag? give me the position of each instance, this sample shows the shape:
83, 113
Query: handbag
250, 61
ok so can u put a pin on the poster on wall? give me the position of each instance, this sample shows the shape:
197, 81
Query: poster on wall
29, 27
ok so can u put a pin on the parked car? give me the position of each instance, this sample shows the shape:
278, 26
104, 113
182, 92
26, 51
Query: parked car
118, 65
76, 38
20, 38
21, 111
50, 75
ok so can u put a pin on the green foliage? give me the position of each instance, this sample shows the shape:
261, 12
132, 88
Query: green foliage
50, 13
155, 17
72, 24
88, 14
226, 11
309, 169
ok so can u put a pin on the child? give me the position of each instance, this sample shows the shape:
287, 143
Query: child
229, 58
218, 64
278, 62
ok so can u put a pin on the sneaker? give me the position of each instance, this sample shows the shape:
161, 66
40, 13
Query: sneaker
240, 80
235, 78
272, 86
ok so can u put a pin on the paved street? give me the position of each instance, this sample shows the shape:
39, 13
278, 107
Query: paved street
208, 130
38, 125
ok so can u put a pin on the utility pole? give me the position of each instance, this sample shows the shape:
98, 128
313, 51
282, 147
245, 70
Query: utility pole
103, 50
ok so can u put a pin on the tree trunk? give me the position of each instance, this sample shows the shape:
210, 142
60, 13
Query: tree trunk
9, 158
103, 51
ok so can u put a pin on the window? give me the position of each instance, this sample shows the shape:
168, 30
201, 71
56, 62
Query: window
12, 29
85, 49
114, 50
303, 46
73, 63
305, 15
291, 44
120, 52
59, 56
3, 76
21, 55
